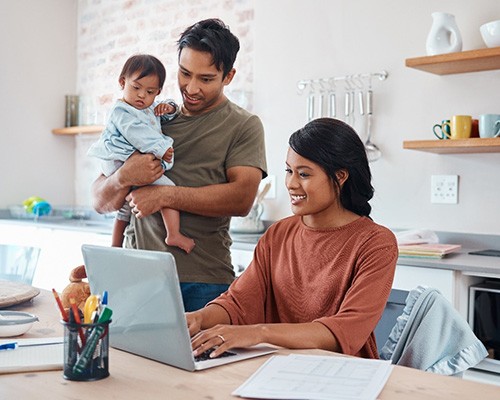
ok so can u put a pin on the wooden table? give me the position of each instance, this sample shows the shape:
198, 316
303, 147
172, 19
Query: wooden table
134, 377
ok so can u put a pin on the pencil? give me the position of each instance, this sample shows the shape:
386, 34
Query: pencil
77, 319
64, 316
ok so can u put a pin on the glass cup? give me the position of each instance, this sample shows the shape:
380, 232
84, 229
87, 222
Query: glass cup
86, 349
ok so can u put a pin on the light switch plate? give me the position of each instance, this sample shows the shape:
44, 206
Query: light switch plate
444, 189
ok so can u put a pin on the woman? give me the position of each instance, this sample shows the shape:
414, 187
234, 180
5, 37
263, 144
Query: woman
320, 278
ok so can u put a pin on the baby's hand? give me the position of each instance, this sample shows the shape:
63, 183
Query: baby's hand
164, 108
168, 155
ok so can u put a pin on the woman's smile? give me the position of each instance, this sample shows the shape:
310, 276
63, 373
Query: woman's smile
295, 198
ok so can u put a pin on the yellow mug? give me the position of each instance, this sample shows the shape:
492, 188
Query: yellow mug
460, 127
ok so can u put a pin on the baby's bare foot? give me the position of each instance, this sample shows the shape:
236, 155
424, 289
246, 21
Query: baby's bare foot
180, 241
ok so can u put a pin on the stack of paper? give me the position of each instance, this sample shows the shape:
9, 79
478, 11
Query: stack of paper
32, 355
429, 250
317, 378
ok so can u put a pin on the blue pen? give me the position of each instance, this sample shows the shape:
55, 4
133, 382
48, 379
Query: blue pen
104, 300
8, 346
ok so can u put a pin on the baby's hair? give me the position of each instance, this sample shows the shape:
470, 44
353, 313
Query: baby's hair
145, 65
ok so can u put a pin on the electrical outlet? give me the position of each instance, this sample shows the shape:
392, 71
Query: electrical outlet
444, 189
271, 194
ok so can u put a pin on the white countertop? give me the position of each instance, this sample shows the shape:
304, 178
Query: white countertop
458, 261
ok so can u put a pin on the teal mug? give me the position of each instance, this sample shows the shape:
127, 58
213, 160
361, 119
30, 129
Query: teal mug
443, 129
489, 125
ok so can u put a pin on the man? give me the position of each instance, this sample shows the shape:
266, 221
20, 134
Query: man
219, 161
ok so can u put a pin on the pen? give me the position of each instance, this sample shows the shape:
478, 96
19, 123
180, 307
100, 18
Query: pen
64, 316
104, 300
7, 346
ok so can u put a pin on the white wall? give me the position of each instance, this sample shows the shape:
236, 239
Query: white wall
293, 40
38, 67
317, 39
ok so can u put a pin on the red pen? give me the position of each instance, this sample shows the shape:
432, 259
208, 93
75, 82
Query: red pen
64, 316
77, 319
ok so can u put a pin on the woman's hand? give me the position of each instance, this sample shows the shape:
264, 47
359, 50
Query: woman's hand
194, 321
225, 337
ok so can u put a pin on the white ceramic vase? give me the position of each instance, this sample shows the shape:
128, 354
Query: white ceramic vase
444, 36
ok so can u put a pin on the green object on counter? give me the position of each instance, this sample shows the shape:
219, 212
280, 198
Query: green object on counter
36, 205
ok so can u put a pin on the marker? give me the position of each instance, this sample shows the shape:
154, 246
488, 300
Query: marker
88, 350
8, 346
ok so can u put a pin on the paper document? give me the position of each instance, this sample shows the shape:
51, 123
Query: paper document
32, 355
317, 378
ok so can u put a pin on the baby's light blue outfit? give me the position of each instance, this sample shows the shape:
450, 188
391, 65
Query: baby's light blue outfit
128, 130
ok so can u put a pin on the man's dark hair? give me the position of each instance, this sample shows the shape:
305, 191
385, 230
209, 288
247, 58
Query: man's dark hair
214, 37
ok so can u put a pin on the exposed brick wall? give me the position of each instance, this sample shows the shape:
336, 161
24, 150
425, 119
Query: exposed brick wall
110, 31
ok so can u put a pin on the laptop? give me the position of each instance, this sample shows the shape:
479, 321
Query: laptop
148, 312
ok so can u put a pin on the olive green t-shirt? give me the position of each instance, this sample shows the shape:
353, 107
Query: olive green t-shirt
205, 147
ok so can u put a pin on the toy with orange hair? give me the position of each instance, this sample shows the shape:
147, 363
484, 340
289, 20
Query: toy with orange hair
77, 288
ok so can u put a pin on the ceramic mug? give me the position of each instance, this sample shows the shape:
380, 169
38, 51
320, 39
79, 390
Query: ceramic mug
474, 130
460, 127
443, 129
489, 125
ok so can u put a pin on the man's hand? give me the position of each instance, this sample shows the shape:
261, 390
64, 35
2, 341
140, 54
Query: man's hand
139, 170
146, 200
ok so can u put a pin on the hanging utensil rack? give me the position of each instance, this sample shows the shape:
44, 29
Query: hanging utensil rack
344, 97
325, 82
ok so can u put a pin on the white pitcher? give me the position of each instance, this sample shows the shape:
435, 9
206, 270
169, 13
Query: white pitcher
444, 36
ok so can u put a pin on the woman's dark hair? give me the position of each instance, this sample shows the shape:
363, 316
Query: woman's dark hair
145, 65
214, 37
334, 146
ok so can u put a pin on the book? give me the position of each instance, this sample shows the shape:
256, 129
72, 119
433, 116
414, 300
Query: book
427, 250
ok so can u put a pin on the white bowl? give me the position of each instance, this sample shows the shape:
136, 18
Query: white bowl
15, 323
491, 33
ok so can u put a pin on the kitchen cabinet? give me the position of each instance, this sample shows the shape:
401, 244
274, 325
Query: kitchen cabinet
75, 130
240, 259
453, 284
60, 249
409, 277
456, 63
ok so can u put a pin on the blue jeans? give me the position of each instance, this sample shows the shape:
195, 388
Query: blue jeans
197, 295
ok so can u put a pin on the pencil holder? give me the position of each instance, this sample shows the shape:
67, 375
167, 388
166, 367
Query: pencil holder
86, 349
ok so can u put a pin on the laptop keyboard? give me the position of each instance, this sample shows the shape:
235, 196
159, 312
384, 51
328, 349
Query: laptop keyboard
206, 355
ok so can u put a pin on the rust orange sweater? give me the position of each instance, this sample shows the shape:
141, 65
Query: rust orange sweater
340, 277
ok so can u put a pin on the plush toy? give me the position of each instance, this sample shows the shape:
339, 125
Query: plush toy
77, 288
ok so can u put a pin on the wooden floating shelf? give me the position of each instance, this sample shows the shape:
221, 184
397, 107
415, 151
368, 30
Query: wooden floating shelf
455, 146
75, 130
454, 63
